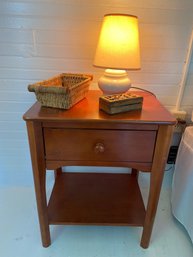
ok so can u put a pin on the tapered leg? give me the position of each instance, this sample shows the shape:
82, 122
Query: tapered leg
39, 172
135, 172
57, 172
157, 172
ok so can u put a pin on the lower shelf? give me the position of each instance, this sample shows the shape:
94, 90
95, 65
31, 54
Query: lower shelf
97, 199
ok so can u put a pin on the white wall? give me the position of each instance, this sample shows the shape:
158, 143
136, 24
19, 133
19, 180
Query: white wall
41, 38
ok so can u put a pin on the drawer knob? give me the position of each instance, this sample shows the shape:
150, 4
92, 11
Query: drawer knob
99, 148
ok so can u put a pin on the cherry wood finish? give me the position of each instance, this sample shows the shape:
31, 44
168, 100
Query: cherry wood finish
39, 171
95, 198
99, 145
86, 136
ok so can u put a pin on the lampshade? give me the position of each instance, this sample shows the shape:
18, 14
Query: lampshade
118, 45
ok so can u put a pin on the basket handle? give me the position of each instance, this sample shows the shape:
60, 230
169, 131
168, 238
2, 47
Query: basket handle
51, 89
31, 88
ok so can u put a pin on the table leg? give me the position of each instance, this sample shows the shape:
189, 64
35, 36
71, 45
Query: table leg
157, 172
135, 172
57, 172
39, 172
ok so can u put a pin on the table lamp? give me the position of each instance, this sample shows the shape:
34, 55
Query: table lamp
117, 51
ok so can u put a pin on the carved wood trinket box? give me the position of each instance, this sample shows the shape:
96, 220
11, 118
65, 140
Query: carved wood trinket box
118, 103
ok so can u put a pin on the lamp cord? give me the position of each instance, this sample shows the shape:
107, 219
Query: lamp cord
144, 90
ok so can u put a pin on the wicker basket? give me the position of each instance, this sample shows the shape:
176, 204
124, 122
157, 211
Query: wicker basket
62, 91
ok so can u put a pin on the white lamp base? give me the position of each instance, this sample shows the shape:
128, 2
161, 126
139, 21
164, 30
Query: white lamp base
114, 82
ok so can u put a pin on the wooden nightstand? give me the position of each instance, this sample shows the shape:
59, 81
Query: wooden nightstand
85, 136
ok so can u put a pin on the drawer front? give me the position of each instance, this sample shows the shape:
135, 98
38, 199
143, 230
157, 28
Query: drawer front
99, 145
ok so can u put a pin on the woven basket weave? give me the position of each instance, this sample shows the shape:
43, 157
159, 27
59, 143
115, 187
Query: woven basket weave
62, 91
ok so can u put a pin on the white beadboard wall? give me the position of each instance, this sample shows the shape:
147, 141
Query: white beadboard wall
41, 38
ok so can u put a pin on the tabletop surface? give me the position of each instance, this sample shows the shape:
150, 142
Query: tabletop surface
88, 110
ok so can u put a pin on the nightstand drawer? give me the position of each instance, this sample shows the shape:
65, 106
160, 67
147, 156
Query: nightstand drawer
99, 145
